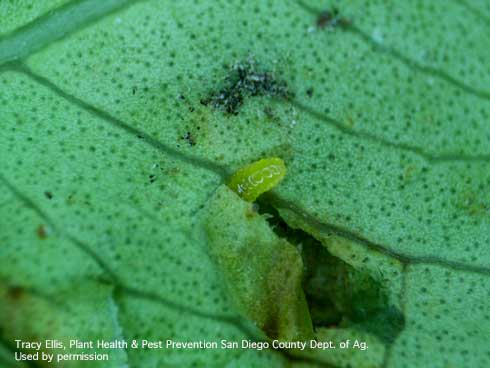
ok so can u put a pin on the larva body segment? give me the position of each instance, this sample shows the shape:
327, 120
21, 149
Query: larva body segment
261, 176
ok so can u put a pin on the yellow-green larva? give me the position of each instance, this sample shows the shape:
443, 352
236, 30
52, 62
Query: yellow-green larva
260, 176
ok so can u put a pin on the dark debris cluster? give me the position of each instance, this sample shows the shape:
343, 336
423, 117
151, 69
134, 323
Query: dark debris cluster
331, 18
245, 80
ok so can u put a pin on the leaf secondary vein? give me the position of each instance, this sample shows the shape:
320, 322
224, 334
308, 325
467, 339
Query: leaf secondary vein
56, 25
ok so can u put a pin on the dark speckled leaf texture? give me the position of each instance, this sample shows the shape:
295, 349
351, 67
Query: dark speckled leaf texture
122, 120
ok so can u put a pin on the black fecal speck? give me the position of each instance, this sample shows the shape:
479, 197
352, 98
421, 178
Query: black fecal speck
189, 138
331, 18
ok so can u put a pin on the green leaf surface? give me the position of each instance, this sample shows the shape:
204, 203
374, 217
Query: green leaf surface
122, 121
17, 13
